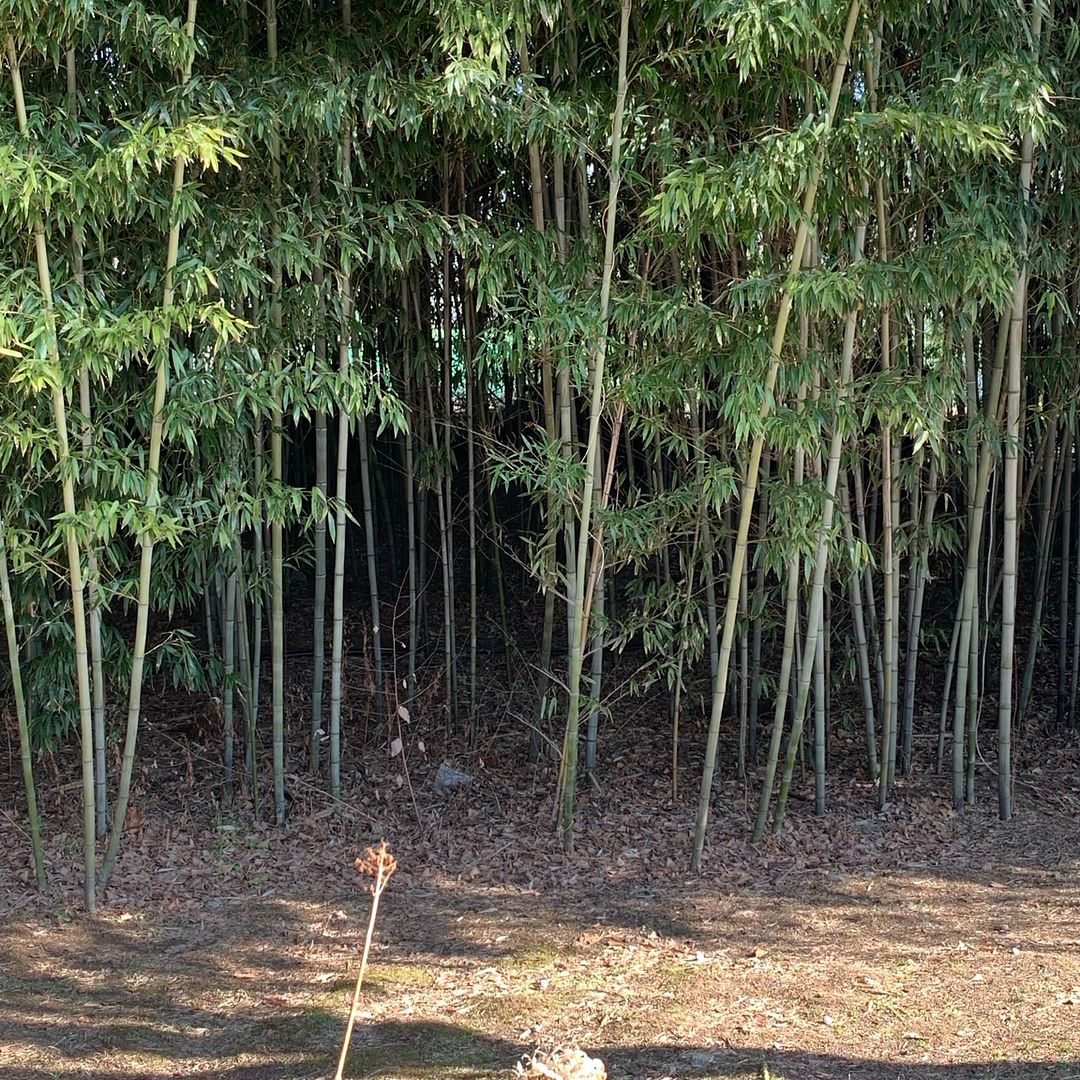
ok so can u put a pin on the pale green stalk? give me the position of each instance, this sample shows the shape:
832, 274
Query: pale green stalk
277, 535
94, 607
746, 507
66, 466
20, 713
568, 774
151, 501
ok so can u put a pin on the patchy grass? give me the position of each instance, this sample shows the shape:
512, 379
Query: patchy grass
907, 944
917, 976
425, 1049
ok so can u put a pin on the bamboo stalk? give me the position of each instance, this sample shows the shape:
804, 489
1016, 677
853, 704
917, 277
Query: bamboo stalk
247, 672
450, 590
370, 553
757, 609
544, 679
1065, 581
97, 671
746, 504
780, 705
341, 525
65, 463
592, 448
277, 474
862, 653
25, 751
974, 545
318, 629
346, 305
815, 615
409, 480
228, 652
1011, 479
152, 500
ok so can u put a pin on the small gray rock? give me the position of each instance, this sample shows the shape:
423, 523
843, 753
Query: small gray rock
448, 777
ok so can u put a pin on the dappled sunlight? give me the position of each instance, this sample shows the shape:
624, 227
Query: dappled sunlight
940, 977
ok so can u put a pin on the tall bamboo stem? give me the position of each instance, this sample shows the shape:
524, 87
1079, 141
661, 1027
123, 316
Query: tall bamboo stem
580, 622
64, 460
1011, 479
25, 751
746, 505
152, 501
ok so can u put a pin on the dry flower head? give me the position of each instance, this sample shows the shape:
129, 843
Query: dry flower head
377, 863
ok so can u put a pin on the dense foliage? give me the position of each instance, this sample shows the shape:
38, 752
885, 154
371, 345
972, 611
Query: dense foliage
741, 325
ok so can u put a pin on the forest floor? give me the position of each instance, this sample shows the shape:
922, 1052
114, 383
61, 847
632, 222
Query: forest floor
908, 943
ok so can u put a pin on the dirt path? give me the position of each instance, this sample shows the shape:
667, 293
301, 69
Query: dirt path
909, 943
859, 975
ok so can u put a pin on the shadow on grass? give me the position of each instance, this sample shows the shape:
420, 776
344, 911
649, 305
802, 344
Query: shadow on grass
140, 999
415, 1051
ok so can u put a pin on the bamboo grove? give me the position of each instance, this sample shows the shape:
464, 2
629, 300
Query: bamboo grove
740, 333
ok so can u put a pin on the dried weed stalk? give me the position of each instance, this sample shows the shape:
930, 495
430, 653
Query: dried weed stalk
379, 864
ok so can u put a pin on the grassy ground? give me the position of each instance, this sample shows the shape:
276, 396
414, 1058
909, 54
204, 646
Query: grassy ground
915, 974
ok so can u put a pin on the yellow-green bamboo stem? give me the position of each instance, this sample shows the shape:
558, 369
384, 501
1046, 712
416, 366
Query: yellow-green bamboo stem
580, 620
94, 608
64, 460
969, 599
449, 598
1065, 582
749, 489
20, 714
277, 536
318, 633
341, 523
536, 194
247, 674
228, 656
791, 618
1013, 437
815, 616
151, 501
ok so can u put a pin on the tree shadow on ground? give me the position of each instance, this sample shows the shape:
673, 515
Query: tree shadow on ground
432, 1049
254, 988
143, 998
418, 1050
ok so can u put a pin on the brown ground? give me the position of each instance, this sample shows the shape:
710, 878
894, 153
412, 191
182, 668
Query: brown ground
910, 943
